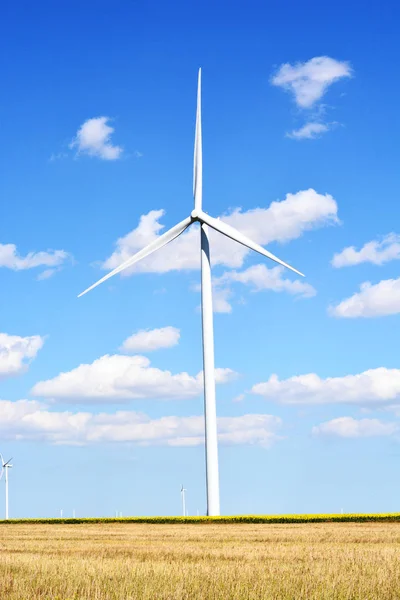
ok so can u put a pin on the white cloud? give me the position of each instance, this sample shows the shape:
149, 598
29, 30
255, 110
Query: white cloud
30, 420
309, 131
10, 259
121, 378
249, 429
223, 375
16, 353
239, 398
379, 386
282, 221
47, 274
221, 302
309, 81
93, 138
347, 427
377, 300
262, 278
375, 252
259, 277
151, 339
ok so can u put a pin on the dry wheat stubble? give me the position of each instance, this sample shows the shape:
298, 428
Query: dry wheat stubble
244, 561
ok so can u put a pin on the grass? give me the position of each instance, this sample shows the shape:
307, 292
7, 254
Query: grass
124, 561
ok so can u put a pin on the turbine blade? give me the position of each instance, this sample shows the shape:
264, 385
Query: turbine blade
8, 462
234, 234
198, 156
161, 241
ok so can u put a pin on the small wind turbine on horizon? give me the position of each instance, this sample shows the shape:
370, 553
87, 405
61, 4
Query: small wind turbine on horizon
199, 216
183, 490
4, 469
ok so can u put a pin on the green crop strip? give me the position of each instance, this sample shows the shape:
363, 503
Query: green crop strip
327, 518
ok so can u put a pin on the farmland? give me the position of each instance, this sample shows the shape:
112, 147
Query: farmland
132, 561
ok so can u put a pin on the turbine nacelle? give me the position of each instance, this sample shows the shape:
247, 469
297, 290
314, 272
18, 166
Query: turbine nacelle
4, 465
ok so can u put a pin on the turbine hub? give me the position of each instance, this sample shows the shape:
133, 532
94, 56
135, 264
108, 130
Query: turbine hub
195, 215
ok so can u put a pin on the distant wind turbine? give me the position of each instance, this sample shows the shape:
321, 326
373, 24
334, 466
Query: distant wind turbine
199, 216
4, 469
183, 490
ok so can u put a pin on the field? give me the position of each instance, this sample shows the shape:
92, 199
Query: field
125, 561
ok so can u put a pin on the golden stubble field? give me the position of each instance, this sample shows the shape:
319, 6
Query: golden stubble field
146, 561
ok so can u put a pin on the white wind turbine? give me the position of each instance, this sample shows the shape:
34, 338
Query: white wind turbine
199, 216
183, 491
4, 469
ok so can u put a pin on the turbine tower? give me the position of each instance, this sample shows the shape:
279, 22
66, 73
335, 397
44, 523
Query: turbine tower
4, 469
199, 216
183, 490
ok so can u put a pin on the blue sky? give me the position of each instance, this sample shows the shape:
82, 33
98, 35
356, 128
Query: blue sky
300, 135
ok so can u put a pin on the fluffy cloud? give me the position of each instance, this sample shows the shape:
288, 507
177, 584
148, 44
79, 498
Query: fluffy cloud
16, 353
375, 252
151, 339
10, 259
30, 420
372, 387
309, 81
282, 221
221, 298
262, 278
93, 139
347, 427
377, 300
309, 131
120, 378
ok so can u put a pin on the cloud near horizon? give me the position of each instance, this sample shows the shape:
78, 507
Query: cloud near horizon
350, 428
34, 421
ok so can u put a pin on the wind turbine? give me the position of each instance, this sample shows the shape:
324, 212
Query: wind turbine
183, 490
4, 469
199, 216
